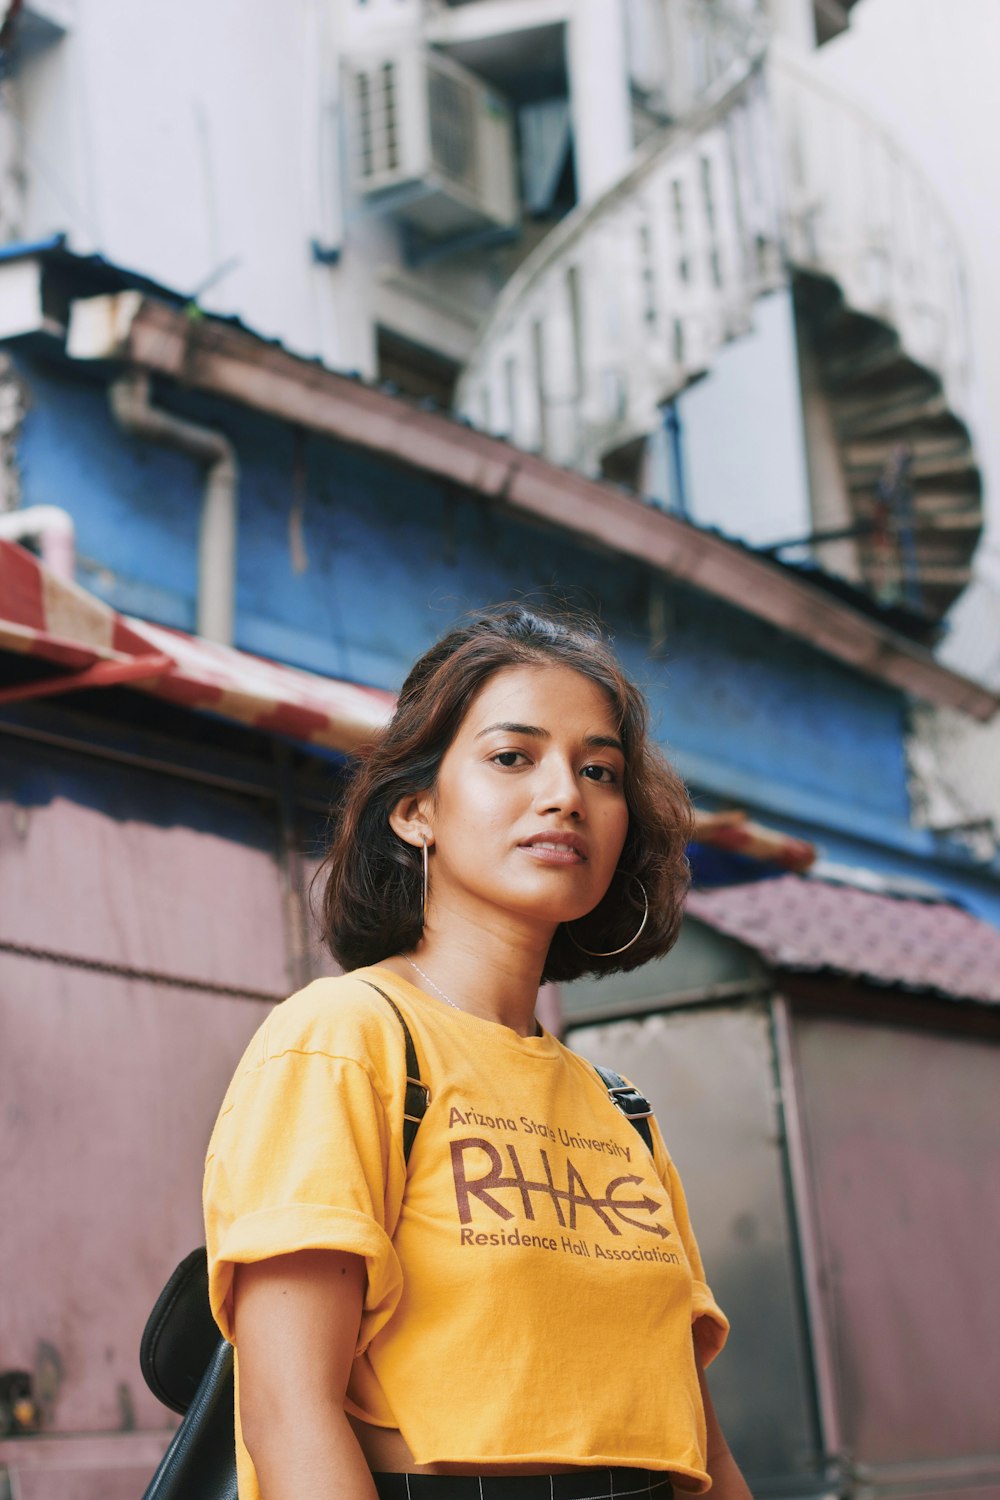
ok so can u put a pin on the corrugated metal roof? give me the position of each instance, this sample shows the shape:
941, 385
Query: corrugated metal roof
813, 925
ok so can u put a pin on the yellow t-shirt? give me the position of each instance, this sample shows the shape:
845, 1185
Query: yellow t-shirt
531, 1293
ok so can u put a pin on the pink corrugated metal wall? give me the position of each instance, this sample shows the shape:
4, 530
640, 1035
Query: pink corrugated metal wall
902, 1130
109, 1087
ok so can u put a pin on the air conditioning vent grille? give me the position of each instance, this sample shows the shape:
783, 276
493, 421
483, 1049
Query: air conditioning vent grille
378, 121
453, 129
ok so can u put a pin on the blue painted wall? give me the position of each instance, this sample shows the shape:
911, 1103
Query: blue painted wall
393, 556
136, 507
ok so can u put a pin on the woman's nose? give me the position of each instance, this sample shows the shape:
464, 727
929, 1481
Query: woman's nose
560, 789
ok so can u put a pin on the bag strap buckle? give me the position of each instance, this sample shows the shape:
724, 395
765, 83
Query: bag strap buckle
416, 1104
628, 1099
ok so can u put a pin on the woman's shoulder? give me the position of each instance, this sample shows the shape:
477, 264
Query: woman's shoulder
342, 1017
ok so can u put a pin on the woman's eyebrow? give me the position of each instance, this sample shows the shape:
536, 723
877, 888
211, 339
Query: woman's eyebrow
530, 729
605, 742
593, 741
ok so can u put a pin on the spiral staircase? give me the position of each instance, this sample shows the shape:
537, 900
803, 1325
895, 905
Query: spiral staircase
769, 180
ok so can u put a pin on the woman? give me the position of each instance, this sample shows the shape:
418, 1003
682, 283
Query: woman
523, 1303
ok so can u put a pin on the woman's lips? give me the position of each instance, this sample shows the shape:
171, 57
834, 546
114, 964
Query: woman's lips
553, 850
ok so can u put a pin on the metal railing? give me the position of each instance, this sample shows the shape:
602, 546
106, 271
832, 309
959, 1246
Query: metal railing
632, 296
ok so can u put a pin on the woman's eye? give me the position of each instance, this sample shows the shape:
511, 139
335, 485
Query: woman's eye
601, 773
509, 758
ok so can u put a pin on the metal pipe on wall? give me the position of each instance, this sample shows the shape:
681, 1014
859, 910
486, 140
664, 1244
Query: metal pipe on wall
133, 409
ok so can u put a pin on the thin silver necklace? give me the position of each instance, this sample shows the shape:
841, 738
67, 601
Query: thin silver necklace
439, 991
435, 987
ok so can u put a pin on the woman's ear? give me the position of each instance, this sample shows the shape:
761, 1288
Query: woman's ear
410, 821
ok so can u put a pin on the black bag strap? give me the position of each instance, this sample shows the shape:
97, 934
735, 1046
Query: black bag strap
418, 1095
200, 1463
625, 1096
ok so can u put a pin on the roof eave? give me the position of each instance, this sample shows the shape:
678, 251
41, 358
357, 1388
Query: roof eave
224, 359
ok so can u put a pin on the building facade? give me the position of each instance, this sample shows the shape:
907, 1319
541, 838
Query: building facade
164, 797
704, 327
610, 229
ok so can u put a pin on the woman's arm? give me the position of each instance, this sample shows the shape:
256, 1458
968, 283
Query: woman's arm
296, 1320
727, 1481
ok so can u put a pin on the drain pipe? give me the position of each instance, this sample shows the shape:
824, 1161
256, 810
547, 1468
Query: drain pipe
52, 528
133, 410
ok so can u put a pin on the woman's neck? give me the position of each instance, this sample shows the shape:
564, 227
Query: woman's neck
491, 974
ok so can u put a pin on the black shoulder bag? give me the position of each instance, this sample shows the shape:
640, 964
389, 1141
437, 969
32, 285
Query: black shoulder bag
189, 1366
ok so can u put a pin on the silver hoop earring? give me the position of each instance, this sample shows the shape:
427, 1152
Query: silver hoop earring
613, 952
424, 882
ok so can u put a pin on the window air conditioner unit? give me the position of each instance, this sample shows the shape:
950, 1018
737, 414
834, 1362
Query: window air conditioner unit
432, 143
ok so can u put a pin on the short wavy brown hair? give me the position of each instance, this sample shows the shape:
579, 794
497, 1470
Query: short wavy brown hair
371, 904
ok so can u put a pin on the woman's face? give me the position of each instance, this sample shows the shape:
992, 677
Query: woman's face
528, 816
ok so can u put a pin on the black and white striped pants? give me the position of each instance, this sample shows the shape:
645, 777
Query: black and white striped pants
581, 1484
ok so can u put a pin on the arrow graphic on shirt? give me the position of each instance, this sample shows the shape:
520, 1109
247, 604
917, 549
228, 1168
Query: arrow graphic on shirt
650, 1205
566, 1201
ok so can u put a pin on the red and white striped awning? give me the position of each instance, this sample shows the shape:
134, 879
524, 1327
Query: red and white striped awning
733, 831
91, 645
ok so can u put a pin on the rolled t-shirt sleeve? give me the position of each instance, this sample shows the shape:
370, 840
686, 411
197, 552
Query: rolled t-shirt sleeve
302, 1158
710, 1324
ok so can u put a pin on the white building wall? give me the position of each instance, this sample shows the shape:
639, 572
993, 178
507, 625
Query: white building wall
204, 145
599, 94
794, 22
743, 437
206, 148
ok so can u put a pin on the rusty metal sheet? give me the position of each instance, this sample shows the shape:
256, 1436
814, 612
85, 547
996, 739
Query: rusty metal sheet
902, 1130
